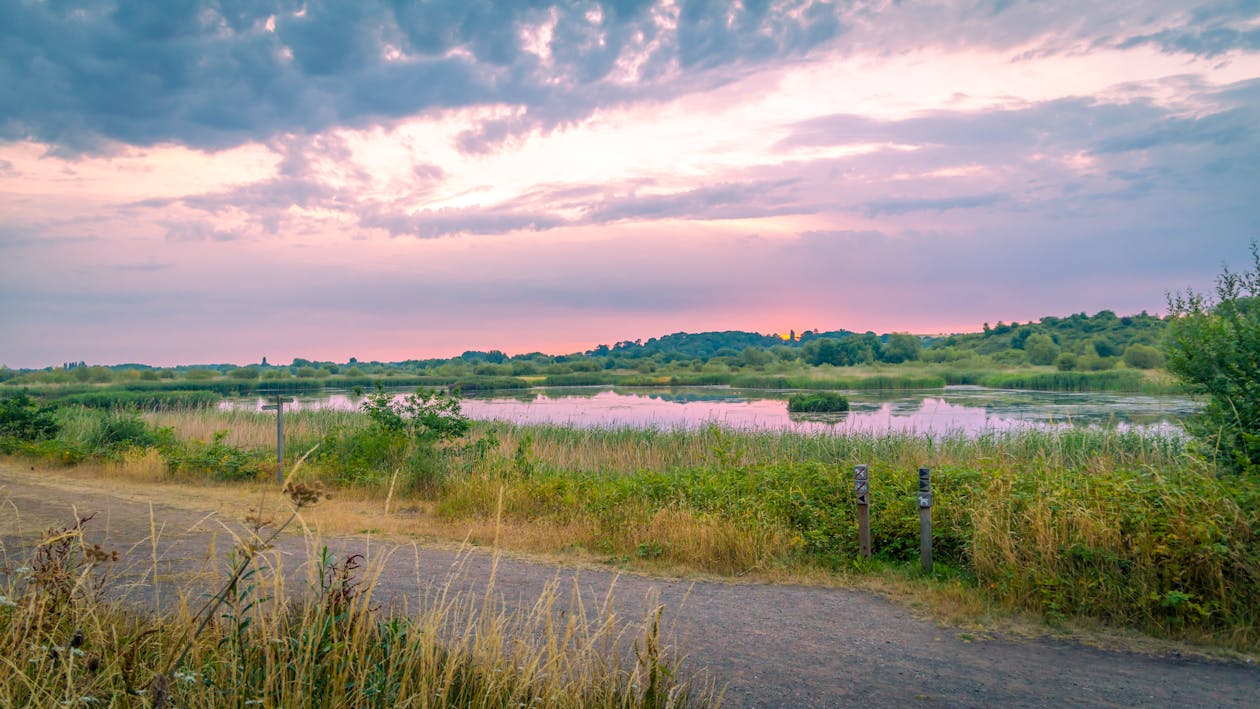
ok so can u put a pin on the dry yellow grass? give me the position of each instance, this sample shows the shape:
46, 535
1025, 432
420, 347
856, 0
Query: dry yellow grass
62, 646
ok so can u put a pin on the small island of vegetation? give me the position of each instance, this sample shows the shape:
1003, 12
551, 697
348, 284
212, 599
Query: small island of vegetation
818, 402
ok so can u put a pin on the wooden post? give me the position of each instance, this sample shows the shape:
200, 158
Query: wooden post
861, 488
280, 440
279, 407
925, 519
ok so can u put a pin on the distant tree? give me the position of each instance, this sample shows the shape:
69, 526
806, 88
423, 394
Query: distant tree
1139, 356
755, 357
823, 350
1103, 346
785, 353
1213, 345
899, 348
1040, 349
1065, 362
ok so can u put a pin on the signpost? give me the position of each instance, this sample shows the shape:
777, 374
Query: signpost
279, 409
861, 488
925, 518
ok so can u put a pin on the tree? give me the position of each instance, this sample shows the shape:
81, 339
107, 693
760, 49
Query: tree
1140, 356
1213, 346
1040, 349
899, 348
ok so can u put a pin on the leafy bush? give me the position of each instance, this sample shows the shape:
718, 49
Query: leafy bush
21, 417
1213, 346
1141, 356
403, 435
122, 431
220, 460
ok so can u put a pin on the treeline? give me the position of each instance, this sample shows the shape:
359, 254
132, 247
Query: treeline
1078, 342
1050, 349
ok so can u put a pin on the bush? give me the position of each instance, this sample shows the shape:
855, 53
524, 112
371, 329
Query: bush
1065, 362
1040, 349
403, 435
21, 417
1141, 356
1213, 345
122, 431
220, 460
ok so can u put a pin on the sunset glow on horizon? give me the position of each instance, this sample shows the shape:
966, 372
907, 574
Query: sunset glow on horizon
391, 181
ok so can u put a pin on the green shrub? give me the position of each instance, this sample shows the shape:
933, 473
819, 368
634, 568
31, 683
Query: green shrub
1214, 347
1141, 356
22, 418
220, 460
124, 430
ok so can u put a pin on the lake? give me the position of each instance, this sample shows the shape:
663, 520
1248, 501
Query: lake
957, 409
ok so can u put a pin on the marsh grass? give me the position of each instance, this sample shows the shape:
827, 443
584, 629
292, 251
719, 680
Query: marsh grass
1121, 527
66, 639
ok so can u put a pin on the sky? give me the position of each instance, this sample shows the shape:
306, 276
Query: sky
197, 181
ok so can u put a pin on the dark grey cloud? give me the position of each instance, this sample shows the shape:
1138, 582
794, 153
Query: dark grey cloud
217, 73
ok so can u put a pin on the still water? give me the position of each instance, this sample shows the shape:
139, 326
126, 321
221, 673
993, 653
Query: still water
961, 409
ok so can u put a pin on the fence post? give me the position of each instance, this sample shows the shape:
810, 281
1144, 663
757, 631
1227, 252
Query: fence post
925, 518
279, 409
861, 488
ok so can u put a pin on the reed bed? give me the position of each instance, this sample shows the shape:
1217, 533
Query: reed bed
1125, 527
67, 640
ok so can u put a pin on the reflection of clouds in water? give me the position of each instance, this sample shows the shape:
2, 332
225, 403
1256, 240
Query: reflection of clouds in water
968, 411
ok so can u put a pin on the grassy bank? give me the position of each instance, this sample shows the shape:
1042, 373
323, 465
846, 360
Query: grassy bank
1124, 528
64, 642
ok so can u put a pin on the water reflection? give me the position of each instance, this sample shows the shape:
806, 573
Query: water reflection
954, 409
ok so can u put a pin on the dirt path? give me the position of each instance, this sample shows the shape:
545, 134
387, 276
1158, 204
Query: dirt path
768, 645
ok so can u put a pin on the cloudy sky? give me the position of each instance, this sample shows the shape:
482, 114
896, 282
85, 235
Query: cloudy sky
222, 180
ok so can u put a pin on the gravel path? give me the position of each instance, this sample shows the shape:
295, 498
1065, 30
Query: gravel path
768, 645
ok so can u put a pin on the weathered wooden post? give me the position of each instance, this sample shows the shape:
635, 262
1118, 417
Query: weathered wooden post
279, 407
861, 488
925, 518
